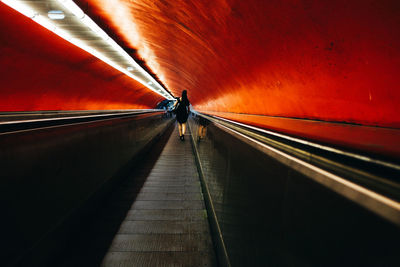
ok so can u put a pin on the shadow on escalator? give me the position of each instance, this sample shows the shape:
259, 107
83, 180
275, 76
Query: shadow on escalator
89, 245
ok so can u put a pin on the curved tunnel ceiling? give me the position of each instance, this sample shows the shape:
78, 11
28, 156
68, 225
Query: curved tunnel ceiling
326, 60
41, 71
336, 61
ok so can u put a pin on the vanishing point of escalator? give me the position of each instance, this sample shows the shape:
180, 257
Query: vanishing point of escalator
156, 217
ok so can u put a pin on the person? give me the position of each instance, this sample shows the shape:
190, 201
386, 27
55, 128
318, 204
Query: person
202, 130
182, 113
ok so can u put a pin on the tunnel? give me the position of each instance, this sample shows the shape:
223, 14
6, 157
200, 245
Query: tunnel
288, 153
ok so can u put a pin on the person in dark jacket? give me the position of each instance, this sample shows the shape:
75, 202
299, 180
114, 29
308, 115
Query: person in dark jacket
182, 113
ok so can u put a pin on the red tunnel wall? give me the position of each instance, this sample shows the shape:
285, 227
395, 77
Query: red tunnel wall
40, 71
328, 60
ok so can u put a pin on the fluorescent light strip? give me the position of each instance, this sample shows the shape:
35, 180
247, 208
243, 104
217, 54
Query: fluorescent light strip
56, 14
72, 7
20, 7
63, 34
26, 10
45, 22
93, 26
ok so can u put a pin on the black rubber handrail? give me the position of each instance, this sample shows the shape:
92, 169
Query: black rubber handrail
74, 117
376, 174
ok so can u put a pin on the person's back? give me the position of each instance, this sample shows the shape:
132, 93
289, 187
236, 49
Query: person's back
181, 108
182, 113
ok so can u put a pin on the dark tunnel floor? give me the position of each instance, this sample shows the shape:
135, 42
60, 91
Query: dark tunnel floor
156, 217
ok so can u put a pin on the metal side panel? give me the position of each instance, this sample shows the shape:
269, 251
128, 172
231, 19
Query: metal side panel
50, 173
271, 213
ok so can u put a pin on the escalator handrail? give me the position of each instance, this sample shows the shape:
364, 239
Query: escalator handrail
12, 126
306, 142
378, 203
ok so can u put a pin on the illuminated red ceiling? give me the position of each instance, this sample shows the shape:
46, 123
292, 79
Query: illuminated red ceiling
40, 71
329, 60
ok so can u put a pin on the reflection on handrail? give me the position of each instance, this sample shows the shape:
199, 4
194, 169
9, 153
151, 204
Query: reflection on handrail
306, 142
13, 125
371, 173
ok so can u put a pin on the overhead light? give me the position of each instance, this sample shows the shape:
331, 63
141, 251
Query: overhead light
56, 14
114, 45
50, 22
94, 27
63, 34
20, 7
45, 22
73, 8
77, 11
